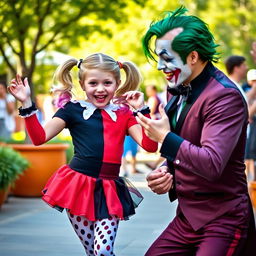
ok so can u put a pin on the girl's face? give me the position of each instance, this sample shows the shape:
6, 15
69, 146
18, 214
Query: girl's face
99, 87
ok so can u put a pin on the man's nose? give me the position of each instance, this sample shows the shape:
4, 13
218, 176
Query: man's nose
160, 65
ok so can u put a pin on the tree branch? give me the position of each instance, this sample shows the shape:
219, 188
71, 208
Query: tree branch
7, 60
61, 25
5, 35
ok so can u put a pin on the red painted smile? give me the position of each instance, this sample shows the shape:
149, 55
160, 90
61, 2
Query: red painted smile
175, 74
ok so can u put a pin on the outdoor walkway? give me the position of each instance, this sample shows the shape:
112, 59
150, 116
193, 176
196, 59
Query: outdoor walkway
28, 227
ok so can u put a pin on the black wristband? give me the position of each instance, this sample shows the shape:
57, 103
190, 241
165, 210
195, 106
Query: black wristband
27, 111
144, 110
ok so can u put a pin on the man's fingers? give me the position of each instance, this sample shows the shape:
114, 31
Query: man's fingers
161, 110
163, 187
155, 174
143, 120
160, 181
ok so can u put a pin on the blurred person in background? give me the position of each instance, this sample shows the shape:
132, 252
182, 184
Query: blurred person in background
130, 147
250, 153
154, 102
237, 68
7, 109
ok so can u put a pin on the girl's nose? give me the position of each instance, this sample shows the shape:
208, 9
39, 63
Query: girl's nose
100, 87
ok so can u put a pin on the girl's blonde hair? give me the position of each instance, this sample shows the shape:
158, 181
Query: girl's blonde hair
95, 61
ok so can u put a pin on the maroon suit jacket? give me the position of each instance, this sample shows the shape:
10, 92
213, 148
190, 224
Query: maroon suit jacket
205, 151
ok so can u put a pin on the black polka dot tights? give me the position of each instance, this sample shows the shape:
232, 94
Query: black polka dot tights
98, 236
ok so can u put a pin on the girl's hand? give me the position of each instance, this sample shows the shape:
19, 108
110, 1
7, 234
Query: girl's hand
20, 89
135, 99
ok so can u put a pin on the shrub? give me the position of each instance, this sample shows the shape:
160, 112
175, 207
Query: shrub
12, 164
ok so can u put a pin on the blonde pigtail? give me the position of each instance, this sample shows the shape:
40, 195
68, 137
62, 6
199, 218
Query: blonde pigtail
133, 78
64, 78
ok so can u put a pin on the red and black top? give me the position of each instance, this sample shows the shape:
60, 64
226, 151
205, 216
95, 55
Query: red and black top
90, 185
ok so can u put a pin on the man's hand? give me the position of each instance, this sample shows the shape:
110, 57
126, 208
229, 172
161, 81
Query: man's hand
160, 180
155, 129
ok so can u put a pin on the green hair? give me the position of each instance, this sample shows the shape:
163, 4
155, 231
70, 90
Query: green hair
194, 37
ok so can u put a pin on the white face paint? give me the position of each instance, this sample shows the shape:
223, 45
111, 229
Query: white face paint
170, 62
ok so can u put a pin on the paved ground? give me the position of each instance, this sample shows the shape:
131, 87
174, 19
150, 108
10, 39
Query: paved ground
28, 227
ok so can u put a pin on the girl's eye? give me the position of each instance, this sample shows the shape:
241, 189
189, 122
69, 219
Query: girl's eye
92, 83
108, 82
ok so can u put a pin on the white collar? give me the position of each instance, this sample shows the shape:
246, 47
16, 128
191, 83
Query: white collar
90, 108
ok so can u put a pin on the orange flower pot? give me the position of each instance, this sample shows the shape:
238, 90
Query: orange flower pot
44, 161
252, 192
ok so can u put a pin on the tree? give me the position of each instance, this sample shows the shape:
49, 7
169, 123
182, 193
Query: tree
28, 27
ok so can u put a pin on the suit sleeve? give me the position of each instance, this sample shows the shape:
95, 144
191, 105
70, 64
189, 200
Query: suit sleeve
224, 119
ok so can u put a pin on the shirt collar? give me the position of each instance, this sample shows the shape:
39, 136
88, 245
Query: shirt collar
89, 109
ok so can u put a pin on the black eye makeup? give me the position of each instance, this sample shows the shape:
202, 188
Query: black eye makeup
165, 56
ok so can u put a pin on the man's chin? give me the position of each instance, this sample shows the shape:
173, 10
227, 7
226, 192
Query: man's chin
172, 85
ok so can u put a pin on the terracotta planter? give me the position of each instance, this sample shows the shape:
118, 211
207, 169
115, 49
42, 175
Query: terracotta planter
252, 192
44, 161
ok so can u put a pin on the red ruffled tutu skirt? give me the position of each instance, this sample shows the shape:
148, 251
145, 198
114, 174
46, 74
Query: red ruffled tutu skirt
93, 198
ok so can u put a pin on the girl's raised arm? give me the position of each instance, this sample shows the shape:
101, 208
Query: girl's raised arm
39, 135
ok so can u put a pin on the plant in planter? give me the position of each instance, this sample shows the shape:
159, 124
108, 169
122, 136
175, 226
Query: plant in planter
44, 161
12, 164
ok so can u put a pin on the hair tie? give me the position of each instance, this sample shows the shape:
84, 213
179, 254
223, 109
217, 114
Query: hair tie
79, 63
120, 64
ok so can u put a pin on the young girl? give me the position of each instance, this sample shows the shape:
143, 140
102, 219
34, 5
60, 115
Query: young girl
89, 187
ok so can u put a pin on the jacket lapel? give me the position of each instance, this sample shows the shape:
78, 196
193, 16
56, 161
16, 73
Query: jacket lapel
198, 85
171, 105
170, 109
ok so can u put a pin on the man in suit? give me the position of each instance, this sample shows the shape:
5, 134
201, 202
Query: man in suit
203, 132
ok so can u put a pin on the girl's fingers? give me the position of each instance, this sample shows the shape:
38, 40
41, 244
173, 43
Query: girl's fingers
18, 77
11, 89
26, 82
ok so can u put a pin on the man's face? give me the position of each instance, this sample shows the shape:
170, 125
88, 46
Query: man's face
170, 62
242, 69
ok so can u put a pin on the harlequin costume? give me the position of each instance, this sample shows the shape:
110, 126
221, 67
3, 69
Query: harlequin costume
90, 185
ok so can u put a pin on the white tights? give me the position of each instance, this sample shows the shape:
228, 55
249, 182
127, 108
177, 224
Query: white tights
97, 236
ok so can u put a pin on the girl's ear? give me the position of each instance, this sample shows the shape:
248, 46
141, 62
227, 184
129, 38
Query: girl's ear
118, 83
